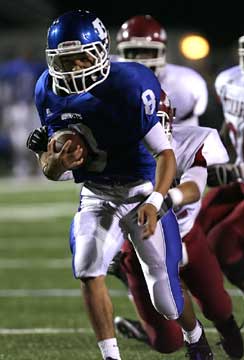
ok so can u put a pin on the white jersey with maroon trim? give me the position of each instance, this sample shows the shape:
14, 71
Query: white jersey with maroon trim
187, 91
229, 86
195, 146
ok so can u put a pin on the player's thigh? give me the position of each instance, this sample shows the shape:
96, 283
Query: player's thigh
203, 276
160, 267
95, 238
155, 325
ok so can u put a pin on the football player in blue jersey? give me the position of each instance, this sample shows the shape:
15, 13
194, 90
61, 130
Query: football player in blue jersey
131, 166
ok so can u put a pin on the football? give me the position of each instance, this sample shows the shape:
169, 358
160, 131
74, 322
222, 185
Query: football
63, 135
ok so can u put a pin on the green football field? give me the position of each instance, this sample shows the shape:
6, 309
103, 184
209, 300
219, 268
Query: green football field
41, 311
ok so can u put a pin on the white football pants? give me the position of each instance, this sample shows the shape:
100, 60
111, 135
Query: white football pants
98, 232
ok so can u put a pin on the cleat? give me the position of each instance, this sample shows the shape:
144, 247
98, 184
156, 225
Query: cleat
116, 270
130, 329
230, 338
199, 350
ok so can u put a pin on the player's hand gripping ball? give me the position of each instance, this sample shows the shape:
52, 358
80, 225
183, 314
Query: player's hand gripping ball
63, 135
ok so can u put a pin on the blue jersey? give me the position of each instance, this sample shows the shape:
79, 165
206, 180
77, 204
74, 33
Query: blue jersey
116, 114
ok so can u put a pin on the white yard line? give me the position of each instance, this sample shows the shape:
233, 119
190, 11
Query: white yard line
35, 263
74, 293
54, 264
32, 243
44, 331
4, 331
53, 293
33, 211
235, 292
35, 184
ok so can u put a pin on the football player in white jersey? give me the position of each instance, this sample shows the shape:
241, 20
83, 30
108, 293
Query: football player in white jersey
195, 149
226, 201
143, 39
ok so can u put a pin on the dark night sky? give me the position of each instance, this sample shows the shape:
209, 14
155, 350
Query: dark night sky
222, 25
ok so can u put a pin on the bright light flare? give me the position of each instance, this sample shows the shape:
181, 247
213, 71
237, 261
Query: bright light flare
194, 47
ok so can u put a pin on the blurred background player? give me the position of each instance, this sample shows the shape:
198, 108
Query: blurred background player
222, 210
143, 39
195, 149
17, 110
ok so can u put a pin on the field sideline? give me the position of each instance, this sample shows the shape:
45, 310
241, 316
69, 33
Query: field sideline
42, 315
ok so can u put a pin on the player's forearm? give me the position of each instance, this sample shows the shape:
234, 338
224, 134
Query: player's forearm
191, 188
165, 171
190, 192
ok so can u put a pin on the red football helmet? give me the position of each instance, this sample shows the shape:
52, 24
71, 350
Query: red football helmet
241, 52
142, 39
166, 114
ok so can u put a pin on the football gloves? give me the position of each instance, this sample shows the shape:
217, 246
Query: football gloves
38, 139
225, 174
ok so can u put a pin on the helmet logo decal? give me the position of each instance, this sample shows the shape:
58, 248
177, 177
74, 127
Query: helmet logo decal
99, 27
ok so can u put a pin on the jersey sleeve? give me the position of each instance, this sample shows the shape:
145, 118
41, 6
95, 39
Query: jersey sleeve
214, 150
156, 140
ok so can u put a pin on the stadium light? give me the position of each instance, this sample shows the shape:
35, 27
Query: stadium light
194, 47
